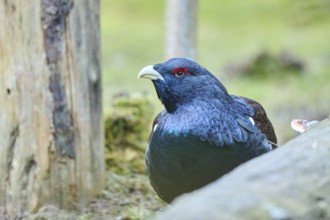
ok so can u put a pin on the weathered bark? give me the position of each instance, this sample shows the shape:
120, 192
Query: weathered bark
51, 139
292, 182
181, 28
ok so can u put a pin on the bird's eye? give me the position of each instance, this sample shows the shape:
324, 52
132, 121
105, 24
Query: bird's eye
179, 72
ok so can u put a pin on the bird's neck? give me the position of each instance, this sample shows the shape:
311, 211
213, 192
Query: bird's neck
194, 118
204, 103
202, 93
170, 104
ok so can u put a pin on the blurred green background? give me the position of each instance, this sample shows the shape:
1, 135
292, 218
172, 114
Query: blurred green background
251, 46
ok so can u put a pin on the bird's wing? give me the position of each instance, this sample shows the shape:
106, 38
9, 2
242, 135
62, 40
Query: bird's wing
155, 123
260, 119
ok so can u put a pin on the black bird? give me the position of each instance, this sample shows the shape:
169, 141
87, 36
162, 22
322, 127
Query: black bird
203, 132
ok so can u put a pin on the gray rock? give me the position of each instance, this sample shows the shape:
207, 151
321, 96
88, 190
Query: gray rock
292, 182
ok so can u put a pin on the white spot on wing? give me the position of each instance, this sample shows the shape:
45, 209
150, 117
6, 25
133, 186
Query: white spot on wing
155, 127
252, 121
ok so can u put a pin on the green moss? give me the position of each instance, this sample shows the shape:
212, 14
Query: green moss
127, 127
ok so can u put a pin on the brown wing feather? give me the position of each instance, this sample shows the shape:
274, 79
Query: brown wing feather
262, 121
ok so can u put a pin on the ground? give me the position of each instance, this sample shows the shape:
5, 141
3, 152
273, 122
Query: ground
126, 197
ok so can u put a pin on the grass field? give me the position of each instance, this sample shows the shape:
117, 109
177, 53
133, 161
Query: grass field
230, 32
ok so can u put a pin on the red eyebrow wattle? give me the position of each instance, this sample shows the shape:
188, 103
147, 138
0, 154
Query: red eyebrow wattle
184, 70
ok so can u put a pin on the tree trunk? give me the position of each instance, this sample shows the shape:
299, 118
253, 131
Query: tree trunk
181, 28
292, 182
51, 139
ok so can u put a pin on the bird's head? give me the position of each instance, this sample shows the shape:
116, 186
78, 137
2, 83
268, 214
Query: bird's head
178, 81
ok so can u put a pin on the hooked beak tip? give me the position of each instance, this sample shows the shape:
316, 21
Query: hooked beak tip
149, 72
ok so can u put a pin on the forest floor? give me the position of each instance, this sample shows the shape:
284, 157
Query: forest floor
126, 197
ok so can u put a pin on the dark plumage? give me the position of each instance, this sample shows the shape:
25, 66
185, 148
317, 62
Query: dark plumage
203, 133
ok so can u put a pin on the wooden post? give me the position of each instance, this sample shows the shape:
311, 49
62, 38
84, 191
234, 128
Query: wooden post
181, 28
51, 129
